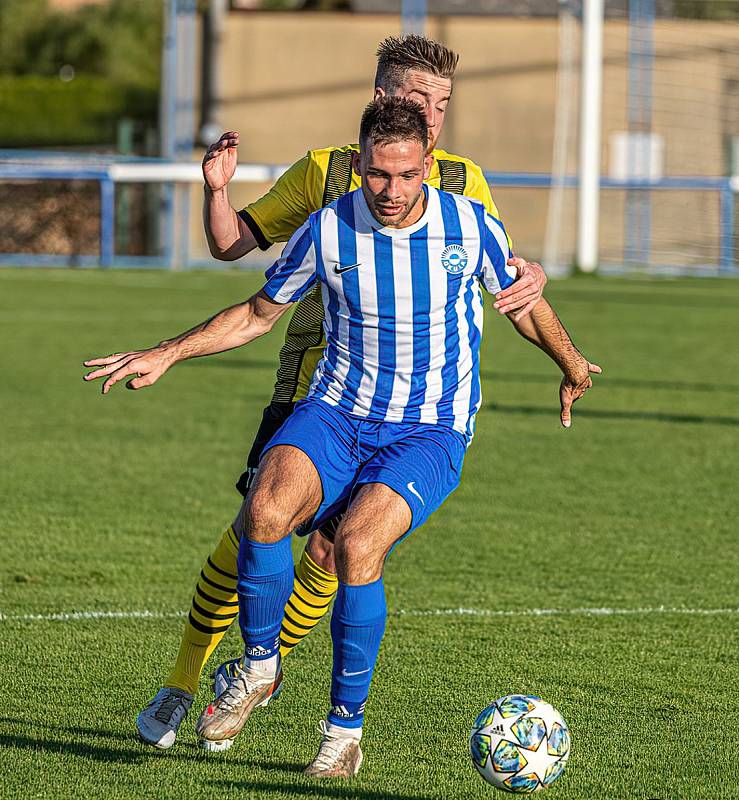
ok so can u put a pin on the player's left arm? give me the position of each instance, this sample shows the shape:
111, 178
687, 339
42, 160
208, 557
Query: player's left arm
525, 293
541, 326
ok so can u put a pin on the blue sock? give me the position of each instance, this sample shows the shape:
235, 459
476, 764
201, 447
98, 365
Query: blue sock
357, 627
265, 584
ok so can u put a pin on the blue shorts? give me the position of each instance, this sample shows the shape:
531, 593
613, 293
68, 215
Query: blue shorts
421, 462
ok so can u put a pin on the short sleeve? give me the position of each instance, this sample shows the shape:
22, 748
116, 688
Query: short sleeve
283, 209
477, 188
496, 274
294, 272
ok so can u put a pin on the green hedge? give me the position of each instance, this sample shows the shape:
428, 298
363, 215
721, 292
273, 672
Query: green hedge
39, 111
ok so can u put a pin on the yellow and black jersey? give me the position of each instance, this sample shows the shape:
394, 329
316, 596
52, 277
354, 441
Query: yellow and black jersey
316, 180
322, 176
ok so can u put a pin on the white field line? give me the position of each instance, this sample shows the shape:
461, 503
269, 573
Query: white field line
565, 612
74, 616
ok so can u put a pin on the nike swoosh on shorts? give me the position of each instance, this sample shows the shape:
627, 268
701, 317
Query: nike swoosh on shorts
413, 489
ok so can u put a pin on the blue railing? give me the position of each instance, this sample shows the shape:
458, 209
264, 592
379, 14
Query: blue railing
724, 186
101, 173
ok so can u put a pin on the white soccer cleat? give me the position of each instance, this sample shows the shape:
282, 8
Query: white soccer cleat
158, 723
339, 755
222, 677
237, 693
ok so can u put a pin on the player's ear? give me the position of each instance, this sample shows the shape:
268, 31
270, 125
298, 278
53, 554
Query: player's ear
379, 92
355, 162
428, 163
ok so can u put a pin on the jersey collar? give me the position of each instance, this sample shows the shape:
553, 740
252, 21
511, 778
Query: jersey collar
361, 208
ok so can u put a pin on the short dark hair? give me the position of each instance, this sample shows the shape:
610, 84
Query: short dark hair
398, 54
393, 119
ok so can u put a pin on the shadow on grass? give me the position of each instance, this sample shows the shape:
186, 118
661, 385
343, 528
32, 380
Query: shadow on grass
656, 298
605, 380
114, 746
94, 752
142, 754
637, 416
313, 788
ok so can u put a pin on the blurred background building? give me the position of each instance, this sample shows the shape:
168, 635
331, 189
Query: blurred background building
84, 85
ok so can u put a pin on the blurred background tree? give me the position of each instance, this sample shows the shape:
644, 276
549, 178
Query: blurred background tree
68, 76
707, 9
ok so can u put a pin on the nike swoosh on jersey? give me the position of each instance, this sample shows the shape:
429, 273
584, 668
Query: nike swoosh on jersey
412, 488
340, 268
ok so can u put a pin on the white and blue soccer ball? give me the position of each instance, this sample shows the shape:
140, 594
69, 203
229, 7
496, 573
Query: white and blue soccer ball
520, 744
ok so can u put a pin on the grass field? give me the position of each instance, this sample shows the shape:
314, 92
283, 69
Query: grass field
110, 505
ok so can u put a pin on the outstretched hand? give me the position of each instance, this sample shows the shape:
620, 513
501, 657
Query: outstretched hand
147, 365
219, 161
525, 292
573, 387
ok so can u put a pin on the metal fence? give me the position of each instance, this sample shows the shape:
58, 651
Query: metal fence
173, 248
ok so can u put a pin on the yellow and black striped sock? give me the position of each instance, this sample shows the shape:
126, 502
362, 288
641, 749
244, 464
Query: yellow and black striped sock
313, 591
215, 606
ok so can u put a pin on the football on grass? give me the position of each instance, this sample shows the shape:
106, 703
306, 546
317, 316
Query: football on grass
520, 744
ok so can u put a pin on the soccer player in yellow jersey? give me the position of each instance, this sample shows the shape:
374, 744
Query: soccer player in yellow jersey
413, 67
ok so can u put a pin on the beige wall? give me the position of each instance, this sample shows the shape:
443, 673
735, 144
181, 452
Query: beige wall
296, 81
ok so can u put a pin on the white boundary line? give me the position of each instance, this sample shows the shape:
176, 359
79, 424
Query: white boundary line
565, 612
74, 616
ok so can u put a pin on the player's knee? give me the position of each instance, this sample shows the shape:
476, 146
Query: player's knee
264, 519
321, 551
358, 558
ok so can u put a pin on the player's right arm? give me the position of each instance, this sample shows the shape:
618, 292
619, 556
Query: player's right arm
229, 328
228, 235
273, 218
292, 275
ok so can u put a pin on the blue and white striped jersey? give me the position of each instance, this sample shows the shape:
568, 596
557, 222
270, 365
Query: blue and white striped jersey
403, 306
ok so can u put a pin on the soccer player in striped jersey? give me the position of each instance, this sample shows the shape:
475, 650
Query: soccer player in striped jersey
389, 415
413, 67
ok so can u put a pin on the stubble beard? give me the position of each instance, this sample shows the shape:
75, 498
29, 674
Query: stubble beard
396, 220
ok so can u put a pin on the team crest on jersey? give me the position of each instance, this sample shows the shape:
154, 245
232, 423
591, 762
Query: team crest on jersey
454, 258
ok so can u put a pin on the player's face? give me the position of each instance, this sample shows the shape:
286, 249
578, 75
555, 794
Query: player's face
392, 180
432, 93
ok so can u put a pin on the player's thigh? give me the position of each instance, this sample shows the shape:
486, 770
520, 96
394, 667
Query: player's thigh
328, 438
377, 518
286, 492
423, 466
